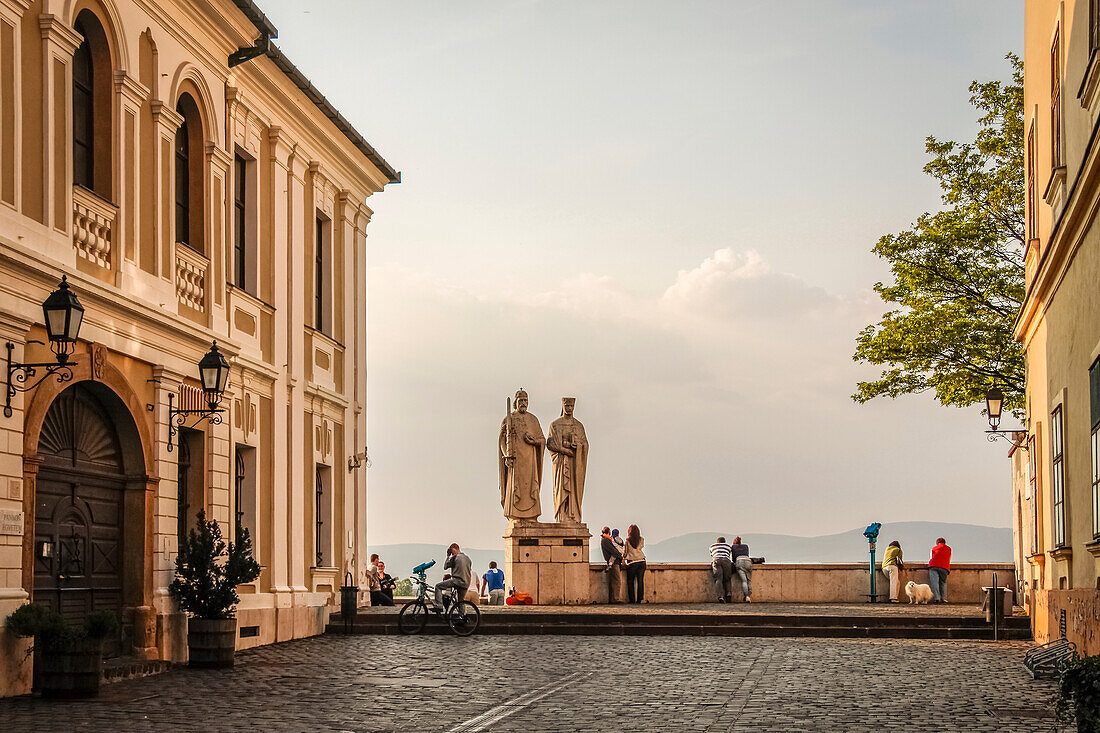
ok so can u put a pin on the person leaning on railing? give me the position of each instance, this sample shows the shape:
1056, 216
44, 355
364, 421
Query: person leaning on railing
892, 567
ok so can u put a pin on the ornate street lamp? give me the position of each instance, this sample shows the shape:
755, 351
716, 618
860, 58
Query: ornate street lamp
994, 403
994, 399
214, 375
63, 315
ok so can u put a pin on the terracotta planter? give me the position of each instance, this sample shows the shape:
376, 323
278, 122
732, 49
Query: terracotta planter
73, 671
211, 642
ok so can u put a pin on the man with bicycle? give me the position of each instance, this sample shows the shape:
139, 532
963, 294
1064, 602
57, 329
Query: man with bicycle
461, 572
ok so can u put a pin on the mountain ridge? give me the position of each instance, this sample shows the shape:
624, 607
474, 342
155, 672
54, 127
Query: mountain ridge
969, 542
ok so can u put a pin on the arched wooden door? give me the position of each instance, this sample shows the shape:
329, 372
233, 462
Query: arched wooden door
79, 513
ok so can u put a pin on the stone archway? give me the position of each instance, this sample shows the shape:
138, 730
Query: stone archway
97, 384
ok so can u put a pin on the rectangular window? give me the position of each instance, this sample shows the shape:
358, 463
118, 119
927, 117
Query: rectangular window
1056, 101
1057, 477
321, 277
240, 259
1032, 199
1094, 25
323, 517
244, 494
1094, 424
1033, 494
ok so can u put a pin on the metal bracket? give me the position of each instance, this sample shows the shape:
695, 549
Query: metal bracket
177, 418
21, 377
993, 435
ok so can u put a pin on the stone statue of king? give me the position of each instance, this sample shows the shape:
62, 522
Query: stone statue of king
568, 446
519, 460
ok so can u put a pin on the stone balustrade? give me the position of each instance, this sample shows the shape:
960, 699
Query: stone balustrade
93, 222
801, 583
191, 271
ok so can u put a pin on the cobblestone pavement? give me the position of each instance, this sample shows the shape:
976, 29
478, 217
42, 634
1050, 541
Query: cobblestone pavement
563, 683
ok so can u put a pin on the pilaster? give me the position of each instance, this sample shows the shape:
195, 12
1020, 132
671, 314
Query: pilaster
59, 42
130, 95
165, 121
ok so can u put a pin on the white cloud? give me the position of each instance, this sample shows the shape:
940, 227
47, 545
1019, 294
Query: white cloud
731, 285
698, 391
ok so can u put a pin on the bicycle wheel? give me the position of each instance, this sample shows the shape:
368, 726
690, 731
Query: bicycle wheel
463, 618
412, 618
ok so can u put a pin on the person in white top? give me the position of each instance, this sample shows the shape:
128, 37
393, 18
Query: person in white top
721, 567
634, 559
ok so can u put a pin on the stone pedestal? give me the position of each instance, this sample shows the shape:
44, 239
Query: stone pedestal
548, 561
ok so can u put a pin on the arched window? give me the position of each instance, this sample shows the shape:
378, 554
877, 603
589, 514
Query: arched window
92, 72
183, 184
83, 116
189, 175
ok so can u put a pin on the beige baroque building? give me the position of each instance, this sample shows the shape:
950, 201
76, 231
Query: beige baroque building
186, 198
1058, 475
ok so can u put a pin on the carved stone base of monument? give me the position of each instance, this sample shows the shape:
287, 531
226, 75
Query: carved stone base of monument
548, 561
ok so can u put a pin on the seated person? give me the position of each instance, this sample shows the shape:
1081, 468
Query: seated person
377, 597
461, 573
386, 581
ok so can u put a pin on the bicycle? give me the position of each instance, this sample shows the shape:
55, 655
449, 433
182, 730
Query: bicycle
462, 616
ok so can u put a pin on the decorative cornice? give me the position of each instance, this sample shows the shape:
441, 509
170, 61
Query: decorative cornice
131, 88
52, 29
217, 154
166, 117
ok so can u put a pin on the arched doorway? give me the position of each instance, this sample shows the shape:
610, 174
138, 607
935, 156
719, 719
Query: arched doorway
80, 509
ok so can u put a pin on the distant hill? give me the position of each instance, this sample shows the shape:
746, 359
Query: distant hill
969, 543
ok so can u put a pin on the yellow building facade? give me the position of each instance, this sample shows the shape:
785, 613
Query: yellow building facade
191, 185
1057, 477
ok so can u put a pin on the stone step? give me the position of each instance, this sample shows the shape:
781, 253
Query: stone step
765, 625
580, 618
128, 668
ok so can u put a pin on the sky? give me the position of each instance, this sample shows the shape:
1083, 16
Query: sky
664, 209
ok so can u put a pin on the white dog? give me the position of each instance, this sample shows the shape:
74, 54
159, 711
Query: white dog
918, 593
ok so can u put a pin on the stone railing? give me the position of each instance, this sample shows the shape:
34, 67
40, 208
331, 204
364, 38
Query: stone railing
191, 269
802, 583
93, 220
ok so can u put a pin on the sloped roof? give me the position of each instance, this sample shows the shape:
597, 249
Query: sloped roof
265, 27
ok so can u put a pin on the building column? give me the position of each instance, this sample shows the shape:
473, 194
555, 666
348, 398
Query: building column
11, 116
16, 522
131, 95
278, 554
166, 121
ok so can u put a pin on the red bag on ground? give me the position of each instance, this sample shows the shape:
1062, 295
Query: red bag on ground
520, 599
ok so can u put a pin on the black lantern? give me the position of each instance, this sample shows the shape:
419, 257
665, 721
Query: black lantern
63, 315
214, 376
994, 405
994, 399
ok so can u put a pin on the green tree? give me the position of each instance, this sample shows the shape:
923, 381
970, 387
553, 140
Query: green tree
208, 571
958, 273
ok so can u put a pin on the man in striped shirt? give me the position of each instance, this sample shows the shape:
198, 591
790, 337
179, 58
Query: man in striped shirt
721, 567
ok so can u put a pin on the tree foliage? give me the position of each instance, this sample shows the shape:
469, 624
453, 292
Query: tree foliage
205, 585
958, 273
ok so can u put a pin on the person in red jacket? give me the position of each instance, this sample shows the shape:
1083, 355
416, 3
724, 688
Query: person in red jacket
938, 568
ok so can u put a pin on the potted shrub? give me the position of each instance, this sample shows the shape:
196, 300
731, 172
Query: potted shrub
68, 662
207, 575
1079, 693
